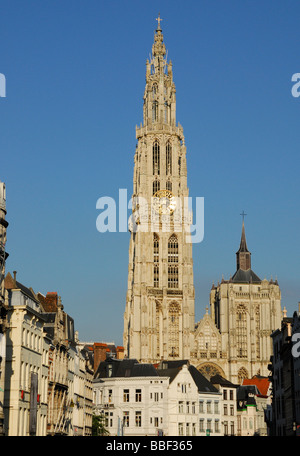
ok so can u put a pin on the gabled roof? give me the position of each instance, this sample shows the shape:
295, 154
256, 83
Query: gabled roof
202, 383
219, 380
11, 284
169, 372
172, 368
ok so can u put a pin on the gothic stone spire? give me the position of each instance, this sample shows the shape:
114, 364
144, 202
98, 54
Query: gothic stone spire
160, 92
243, 256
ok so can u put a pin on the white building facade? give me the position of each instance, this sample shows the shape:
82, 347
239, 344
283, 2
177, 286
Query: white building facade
228, 405
133, 405
140, 400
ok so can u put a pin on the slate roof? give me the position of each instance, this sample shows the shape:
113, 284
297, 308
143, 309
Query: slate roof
173, 363
246, 395
169, 372
124, 368
202, 383
219, 380
172, 368
26, 291
248, 276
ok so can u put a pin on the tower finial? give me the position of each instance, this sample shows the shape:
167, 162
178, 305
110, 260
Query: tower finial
243, 215
158, 48
158, 19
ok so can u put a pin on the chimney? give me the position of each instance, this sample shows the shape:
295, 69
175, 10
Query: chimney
99, 354
120, 352
15, 275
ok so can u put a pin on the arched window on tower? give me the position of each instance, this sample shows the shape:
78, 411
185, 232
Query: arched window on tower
179, 166
154, 91
155, 261
154, 111
154, 103
241, 332
156, 186
173, 262
173, 322
169, 185
156, 158
242, 374
168, 159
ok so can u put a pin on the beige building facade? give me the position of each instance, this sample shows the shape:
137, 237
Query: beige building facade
26, 372
48, 374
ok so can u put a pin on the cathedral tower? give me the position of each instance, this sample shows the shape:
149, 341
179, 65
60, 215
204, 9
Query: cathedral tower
159, 313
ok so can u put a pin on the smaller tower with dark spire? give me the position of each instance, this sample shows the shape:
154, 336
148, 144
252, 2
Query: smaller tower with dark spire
243, 256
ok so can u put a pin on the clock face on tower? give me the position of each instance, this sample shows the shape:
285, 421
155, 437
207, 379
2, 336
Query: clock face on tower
164, 202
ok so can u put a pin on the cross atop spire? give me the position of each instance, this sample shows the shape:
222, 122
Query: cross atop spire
158, 19
243, 215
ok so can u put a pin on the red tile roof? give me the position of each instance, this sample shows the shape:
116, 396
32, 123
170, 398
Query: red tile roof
262, 384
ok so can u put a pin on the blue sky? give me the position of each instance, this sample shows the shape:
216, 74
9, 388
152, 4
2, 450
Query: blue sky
75, 75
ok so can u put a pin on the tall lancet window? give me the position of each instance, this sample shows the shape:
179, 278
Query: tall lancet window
173, 262
173, 321
241, 332
168, 159
156, 186
154, 104
156, 158
166, 112
179, 166
169, 185
154, 91
257, 332
154, 111
158, 316
155, 261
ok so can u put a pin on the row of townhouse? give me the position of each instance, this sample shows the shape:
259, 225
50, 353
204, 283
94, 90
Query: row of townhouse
46, 376
175, 399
